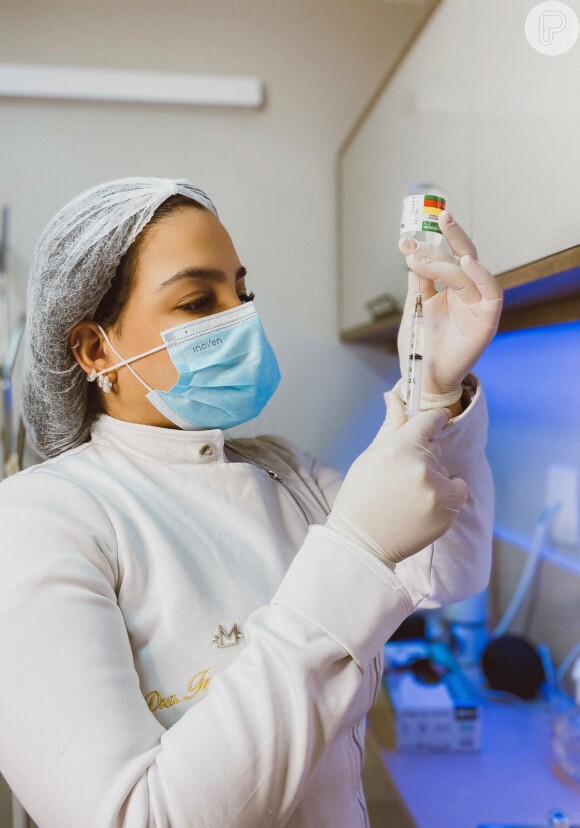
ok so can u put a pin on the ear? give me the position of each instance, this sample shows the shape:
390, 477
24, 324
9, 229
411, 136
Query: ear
85, 342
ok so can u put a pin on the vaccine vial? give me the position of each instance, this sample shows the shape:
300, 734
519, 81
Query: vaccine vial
420, 212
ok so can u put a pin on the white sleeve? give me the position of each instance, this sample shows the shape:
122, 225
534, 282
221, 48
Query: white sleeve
458, 565
78, 742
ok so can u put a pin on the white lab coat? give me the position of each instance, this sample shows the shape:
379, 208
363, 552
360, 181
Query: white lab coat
121, 558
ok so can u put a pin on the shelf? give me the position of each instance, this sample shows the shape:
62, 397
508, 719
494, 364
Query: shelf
543, 292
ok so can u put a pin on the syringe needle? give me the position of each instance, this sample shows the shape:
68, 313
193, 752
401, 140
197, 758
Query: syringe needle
415, 359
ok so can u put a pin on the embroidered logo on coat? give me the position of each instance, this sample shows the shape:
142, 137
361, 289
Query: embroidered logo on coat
225, 639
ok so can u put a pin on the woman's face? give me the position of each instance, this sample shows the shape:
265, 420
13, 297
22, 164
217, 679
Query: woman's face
163, 296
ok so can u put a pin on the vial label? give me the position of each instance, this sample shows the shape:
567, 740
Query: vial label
420, 213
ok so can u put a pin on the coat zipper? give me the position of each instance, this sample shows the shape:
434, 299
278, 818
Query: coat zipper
275, 476
377, 677
356, 740
360, 751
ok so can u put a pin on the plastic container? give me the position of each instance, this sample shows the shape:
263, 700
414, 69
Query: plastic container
566, 741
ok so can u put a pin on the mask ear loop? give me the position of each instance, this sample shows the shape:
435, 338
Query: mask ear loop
93, 375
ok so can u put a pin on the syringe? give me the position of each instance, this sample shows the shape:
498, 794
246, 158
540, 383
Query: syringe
420, 222
415, 371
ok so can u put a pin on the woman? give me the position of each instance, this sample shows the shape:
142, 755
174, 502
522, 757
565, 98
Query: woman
192, 628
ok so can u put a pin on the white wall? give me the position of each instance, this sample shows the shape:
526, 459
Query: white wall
270, 172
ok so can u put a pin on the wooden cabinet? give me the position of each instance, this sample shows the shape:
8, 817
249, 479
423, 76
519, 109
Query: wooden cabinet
544, 292
474, 108
526, 175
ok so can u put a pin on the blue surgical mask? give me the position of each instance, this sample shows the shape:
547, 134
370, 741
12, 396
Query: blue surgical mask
227, 370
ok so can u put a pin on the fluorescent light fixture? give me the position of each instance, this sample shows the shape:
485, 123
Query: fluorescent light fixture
19, 80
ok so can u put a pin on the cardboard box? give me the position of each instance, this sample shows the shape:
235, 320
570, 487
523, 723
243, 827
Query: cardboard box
439, 717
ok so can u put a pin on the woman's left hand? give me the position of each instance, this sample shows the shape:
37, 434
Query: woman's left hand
461, 319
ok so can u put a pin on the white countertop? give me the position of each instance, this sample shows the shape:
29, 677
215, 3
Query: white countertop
513, 779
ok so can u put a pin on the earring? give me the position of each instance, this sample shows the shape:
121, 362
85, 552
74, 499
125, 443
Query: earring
104, 382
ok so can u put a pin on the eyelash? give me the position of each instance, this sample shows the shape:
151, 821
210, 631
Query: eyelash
199, 304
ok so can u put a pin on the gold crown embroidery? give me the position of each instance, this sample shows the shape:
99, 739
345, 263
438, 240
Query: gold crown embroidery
225, 639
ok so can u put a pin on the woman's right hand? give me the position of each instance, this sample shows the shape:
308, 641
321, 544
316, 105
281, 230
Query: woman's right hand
397, 498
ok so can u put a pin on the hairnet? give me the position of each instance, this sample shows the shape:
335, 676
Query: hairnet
75, 260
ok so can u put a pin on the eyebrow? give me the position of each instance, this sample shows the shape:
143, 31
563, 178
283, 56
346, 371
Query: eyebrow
211, 274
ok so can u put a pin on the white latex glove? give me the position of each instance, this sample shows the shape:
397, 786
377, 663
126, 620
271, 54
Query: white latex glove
397, 498
460, 320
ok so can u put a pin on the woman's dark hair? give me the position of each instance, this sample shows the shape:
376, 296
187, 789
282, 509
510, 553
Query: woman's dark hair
109, 313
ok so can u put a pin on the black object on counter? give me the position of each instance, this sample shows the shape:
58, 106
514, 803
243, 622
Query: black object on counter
512, 663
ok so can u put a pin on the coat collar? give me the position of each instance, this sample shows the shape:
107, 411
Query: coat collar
166, 445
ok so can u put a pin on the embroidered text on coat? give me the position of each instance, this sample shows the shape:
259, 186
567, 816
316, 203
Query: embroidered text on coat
199, 682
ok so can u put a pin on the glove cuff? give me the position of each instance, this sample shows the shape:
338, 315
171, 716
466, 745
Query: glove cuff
429, 401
